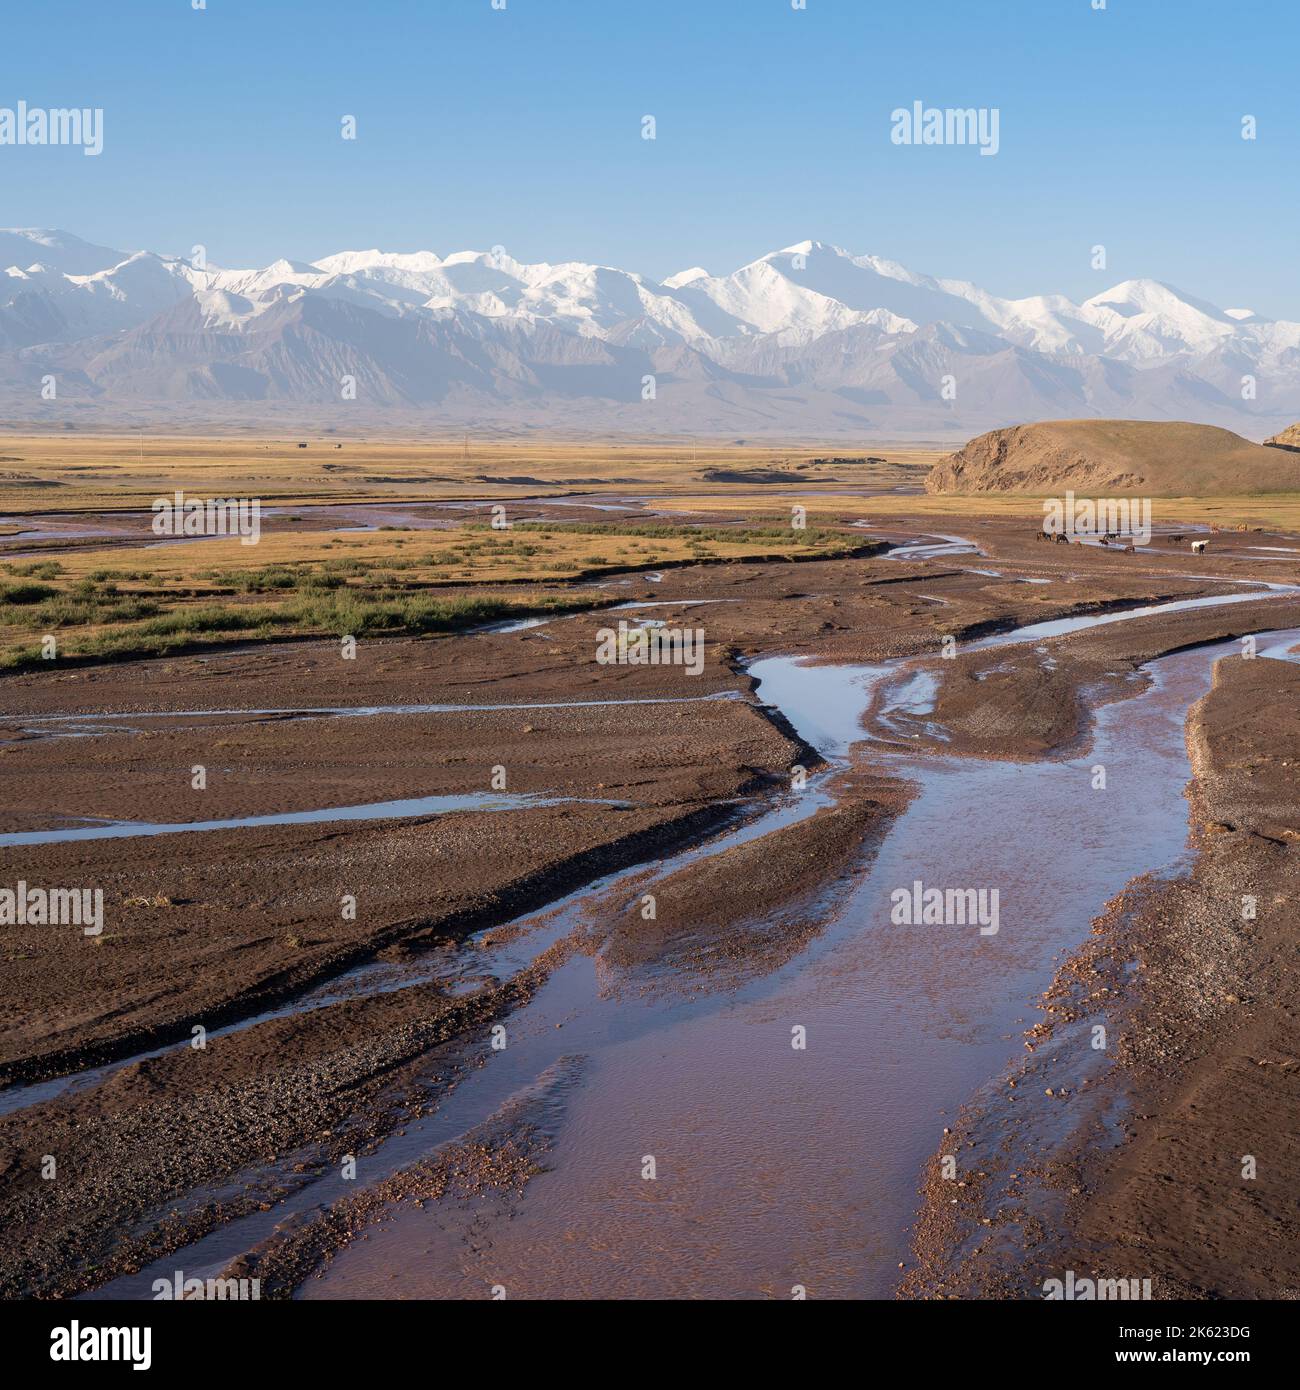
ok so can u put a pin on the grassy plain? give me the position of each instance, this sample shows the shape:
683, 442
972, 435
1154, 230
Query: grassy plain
40, 473
1278, 512
120, 598
100, 602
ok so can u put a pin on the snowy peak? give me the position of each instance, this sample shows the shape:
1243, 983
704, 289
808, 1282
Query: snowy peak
1146, 321
349, 262
1132, 297
800, 292
686, 277
60, 251
811, 327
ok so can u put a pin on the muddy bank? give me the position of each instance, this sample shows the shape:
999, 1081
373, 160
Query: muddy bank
300, 1091
734, 914
1169, 1151
749, 907
479, 1178
1036, 698
677, 748
257, 917
1201, 1196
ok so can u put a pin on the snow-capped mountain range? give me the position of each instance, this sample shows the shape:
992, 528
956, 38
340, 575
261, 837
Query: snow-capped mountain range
808, 339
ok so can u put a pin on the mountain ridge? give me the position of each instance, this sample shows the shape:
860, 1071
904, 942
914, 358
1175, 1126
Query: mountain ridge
807, 338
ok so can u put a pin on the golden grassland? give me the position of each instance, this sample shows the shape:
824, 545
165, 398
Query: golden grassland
41, 473
71, 472
1273, 511
473, 554
1276, 511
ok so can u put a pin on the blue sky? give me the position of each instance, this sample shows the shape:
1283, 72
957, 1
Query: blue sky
479, 127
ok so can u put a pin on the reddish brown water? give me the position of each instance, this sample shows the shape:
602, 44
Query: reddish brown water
775, 1167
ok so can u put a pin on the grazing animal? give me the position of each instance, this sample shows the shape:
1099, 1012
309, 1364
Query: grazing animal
1061, 538
1128, 550
1198, 547
1177, 540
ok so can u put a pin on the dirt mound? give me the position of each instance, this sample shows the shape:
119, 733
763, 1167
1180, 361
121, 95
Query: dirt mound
1288, 439
1102, 457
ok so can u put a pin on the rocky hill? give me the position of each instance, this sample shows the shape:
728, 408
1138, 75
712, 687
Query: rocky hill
1106, 457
